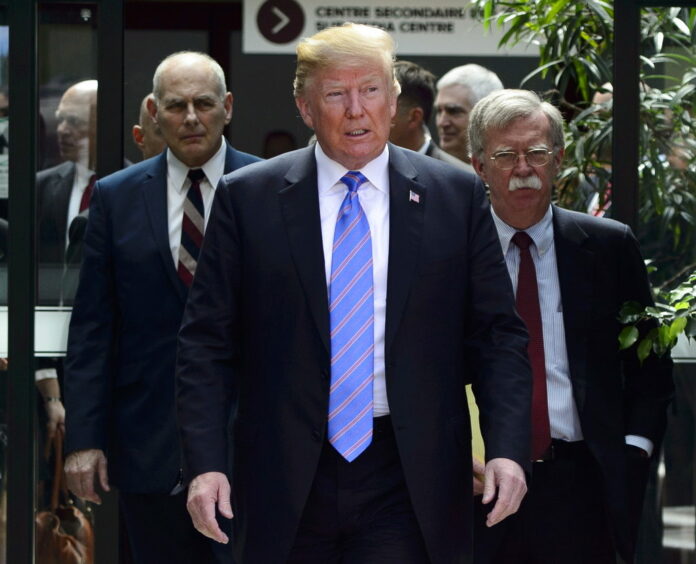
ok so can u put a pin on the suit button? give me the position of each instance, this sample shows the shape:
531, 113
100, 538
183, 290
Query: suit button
316, 435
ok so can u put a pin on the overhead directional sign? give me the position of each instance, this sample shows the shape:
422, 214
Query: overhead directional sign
420, 27
280, 21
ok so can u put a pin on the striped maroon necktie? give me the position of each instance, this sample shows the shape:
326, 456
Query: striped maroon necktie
87, 193
527, 302
192, 228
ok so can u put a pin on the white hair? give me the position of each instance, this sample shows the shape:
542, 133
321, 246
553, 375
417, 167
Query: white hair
204, 58
499, 109
478, 80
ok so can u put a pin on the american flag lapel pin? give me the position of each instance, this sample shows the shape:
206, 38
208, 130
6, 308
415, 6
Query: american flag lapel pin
413, 197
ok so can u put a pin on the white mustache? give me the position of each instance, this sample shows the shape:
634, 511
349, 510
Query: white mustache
532, 182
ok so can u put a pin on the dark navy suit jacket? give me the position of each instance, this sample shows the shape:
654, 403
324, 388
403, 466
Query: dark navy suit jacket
119, 370
599, 269
255, 343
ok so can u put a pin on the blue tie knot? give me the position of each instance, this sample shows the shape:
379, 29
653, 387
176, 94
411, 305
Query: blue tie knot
353, 179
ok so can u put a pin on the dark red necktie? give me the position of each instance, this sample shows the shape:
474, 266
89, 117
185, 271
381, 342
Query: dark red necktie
527, 301
87, 194
192, 227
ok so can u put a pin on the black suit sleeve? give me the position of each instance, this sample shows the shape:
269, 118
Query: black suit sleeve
497, 342
648, 387
89, 360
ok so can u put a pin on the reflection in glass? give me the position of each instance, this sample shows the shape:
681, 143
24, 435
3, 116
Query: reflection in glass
66, 163
63, 194
4, 162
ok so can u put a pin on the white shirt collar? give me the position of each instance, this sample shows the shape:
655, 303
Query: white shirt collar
214, 168
427, 138
329, 172
541, 232
82, 176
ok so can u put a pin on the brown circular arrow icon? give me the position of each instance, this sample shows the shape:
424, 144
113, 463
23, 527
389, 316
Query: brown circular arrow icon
280, 21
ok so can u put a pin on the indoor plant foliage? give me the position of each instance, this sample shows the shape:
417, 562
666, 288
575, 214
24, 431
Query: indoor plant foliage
575, 46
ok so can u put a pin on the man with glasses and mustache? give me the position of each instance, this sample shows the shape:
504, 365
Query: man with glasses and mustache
598, 415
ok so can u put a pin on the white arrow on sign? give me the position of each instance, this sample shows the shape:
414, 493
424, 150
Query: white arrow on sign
283, 20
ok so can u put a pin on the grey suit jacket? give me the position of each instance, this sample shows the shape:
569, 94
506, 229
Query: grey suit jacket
435, 152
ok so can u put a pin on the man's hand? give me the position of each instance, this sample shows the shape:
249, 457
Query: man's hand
505, 477
82, 468
478, 472
205, 491
55, 414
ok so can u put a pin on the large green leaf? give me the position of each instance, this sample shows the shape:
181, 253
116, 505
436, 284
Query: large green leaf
627, 337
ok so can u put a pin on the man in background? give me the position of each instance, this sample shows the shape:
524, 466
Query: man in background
413, 110
598, 414
146, 133
457, 93
63, 194
145, 230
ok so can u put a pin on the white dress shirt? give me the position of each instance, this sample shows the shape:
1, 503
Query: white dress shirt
374, 199
563, 413
80, 182
178, 184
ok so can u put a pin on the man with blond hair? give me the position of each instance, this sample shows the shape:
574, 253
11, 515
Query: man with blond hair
346, 294
146, 225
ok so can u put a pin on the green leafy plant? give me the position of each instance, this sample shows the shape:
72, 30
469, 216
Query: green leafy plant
673, 314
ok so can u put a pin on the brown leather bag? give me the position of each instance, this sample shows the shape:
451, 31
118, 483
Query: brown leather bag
64, 535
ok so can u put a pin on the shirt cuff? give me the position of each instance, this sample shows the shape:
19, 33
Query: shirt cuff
45, 374
640, 442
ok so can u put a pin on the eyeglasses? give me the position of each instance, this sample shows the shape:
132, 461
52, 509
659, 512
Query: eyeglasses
505, 160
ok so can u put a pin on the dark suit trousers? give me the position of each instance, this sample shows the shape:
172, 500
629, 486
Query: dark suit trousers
160, 531
562, 519
360, 512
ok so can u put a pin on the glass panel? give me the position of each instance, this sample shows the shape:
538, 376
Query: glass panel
66, 163
67, 150
667, 172
4, 156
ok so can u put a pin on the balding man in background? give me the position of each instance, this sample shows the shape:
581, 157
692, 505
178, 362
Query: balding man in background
413, 110
63, 192
146, 133
145, 228
457, 93
62, 198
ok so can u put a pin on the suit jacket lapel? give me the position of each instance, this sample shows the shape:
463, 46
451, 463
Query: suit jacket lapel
155, 194
231, 159
299, 201
575, 271
407, 201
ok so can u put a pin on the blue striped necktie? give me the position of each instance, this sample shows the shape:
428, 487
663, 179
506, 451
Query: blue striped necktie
192, 228
351, 313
